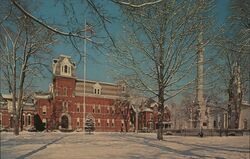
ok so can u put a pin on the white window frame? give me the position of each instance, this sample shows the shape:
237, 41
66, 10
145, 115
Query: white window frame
29, 119
44, 109
122, 122
107, 123
97, 89
113, 123
68, 70
93, 109
78, 122
78, 107
23, 116
1, 120
44, 121
99, 122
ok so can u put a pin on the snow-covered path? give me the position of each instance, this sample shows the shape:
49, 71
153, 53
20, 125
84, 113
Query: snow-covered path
75, 145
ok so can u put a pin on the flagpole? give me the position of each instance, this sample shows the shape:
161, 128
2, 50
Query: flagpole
84, 74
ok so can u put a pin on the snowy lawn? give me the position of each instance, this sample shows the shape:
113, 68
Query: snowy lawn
58, 145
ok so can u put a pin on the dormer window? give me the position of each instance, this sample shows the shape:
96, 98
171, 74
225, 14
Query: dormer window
97, 89
66, 67
123, 88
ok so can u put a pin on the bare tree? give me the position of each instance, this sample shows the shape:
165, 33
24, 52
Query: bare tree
158, 51
24, 47
122, 109
233, 62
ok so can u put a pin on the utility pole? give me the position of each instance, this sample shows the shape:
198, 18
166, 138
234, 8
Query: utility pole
84, 74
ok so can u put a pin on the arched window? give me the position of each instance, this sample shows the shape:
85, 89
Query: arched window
66, 70
44, 110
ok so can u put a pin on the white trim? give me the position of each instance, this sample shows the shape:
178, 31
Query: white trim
90, 81
69, 120
1, 119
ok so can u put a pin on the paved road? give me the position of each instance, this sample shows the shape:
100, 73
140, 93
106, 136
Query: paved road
115, 145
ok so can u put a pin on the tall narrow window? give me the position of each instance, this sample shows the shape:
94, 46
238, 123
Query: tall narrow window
123, 88
151, 116
28, 120
99, 122
44, 110
113, 122
0, 119
93, 108
107, 122
66, 106
65, 91
65, 69
78, 107
97, 89
215, 124
45, 122
23, 119
99, 109
122, 122
78, 122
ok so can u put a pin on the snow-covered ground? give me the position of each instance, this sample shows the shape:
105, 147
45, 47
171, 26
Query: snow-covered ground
76, 145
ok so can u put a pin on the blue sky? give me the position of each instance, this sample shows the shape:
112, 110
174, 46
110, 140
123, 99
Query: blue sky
97, 67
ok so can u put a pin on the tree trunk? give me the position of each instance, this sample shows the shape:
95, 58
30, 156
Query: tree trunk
161, 114
22, 120
160, 119
126, 125
16, 116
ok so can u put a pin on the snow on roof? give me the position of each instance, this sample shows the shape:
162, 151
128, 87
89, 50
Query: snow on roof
7, 96
91, 81
246, 103
42, 96
147, 110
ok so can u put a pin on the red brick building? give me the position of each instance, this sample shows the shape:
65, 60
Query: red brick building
63, 106
6, 113
148, 117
